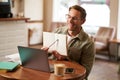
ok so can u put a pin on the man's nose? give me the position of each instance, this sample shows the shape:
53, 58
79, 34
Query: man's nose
71, 20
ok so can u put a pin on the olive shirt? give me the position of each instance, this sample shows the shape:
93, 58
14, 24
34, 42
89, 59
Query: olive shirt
80, 49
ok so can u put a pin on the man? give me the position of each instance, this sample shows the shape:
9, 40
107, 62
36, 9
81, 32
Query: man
80, 46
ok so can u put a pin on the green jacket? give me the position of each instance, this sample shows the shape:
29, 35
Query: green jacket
80, 49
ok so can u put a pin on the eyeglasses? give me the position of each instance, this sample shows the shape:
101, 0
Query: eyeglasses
70, 17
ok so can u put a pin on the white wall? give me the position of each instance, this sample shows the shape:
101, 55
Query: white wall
114, 14
118, 27
33, 9
12, 34
48, 5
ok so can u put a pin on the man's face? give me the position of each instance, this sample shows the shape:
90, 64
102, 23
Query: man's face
74, 20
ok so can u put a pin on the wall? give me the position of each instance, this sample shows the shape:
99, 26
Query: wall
48, 4
114, 14
33, 9
12, 34
118, 29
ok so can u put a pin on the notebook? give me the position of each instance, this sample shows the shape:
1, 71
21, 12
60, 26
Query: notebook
56, 42
35, 59
8, 66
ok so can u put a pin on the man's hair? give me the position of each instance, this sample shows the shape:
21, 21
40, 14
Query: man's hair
80, 9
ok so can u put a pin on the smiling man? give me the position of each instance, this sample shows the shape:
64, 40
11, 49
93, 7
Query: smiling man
80, 45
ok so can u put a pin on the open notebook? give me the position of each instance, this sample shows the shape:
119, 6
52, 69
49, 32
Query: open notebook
56, 42
35, 59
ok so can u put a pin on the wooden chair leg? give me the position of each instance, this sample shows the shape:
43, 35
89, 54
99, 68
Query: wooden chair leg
109, 54
119, 68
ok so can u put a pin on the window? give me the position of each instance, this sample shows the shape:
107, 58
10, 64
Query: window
60, 8
98, 12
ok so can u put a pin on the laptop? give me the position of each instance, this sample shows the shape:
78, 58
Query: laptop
35, 59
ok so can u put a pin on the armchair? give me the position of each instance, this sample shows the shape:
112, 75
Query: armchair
102, 38
55, 25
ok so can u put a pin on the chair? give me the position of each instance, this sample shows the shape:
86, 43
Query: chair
102, 38
55, 25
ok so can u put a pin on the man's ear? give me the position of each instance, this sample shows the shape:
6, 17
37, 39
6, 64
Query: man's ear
83, 21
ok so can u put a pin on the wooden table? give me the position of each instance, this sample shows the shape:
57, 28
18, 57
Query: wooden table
116, 41
117, 55
23, 73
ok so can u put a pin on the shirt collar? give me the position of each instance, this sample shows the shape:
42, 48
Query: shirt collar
80, 35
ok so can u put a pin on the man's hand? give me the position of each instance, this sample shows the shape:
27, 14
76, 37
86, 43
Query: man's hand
45, 48
55, 53
58, 56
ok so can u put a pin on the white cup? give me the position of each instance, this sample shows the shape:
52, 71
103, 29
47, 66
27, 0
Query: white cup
20, 14
59, 69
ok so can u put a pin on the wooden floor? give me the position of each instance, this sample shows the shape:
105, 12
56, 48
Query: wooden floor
103, 69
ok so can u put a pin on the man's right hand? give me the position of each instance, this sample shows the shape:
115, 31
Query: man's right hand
55, 53
45, 48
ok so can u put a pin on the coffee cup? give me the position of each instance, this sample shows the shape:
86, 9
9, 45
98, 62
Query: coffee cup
59, 69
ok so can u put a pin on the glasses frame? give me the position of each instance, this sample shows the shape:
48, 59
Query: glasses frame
73, 18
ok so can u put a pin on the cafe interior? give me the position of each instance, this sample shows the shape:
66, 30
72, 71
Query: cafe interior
22, 22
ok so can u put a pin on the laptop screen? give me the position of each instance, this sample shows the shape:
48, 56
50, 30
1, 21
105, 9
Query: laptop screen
34, 58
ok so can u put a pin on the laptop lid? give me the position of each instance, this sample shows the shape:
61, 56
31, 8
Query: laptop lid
34, 58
